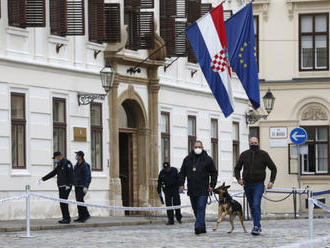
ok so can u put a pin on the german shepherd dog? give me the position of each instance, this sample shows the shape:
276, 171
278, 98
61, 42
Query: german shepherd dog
228, 206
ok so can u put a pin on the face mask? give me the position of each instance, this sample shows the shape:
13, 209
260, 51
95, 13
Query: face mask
198, 151
76, 158
56, 160
254, 147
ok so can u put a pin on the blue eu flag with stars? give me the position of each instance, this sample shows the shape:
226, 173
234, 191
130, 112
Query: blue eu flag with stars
242, 52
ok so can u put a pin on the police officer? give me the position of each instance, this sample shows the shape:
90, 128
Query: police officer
82, 179
168, 180
64, 172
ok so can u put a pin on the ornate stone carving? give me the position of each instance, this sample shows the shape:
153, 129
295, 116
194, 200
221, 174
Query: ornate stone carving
314, 112
261, 6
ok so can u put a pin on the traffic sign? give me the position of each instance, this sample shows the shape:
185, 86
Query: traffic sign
298, 136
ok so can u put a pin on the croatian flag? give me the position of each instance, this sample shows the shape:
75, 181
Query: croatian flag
207, 37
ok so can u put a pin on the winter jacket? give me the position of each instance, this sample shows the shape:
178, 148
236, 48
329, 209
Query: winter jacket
169, 181
254, 165
198, 169
64, 172
82, 174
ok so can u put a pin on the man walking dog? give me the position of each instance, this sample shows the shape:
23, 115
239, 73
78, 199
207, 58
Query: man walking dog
254, 162
198, 167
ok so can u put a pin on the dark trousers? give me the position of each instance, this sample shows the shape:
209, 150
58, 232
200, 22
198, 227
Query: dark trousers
82, 211
254, 194
64, 194
172, 198
198, 203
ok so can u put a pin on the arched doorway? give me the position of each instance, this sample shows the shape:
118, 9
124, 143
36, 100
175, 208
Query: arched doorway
131, 151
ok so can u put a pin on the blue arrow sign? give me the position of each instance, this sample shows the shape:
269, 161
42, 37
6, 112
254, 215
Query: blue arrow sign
298, 136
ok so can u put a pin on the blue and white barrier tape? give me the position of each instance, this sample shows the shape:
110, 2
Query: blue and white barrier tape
14, 198
325, 192
321, 204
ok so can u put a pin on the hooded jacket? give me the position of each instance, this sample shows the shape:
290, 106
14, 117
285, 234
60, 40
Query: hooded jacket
254, 165
200, 172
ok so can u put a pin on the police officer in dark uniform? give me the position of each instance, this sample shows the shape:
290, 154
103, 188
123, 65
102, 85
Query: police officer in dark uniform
64, 172
168, 180
82, 179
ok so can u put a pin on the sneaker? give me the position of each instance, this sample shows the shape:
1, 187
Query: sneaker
170, 223
256, 230
200, 231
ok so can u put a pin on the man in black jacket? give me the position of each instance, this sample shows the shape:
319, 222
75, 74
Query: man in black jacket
64, 172
82, 179
254, 162
168, 180
198, 167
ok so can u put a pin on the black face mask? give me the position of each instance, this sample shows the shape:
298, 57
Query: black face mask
254, 147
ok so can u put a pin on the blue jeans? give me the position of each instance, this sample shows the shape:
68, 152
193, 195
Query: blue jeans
198, 204
254, 194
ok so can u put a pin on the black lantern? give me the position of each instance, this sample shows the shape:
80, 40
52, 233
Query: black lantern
107, 75
269, 100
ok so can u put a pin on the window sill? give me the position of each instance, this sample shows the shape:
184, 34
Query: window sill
20, 173
20, 32
316, 177
95, 46
99, 174
58, 40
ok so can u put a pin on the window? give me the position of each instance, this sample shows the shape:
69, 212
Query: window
256, 36
18, 123
165, 136
67, 17
191, 132
59, 125
174, 15
314, 153
103, 21
214, 142
96, 136
235, 143
26, 13
314, 42
254, 132
140, 24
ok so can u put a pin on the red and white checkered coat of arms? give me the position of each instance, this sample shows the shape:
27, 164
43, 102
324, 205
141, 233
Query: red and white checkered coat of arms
219, 62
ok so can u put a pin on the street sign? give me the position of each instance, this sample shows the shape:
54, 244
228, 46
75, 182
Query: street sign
298, 136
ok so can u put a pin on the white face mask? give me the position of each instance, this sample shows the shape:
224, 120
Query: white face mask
198, 151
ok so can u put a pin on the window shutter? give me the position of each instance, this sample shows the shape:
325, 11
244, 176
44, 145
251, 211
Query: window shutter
193, 10
227, 14
16, 13
35, 13
96, 20
180, 41
167, 8
167, 32
132, 3
181, 8
206, 7
58, 24
75, 17
146, 30
132, 17
112, 22
147, 4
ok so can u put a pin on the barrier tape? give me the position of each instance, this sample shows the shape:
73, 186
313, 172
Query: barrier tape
321, 204
308, 244
14, 198
321, 193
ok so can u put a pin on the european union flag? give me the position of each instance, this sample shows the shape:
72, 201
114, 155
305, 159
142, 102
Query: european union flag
242, 52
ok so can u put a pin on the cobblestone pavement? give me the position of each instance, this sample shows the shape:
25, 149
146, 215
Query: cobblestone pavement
276, 233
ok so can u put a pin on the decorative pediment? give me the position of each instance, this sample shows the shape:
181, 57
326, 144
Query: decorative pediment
293, 4
261, 6
314, 112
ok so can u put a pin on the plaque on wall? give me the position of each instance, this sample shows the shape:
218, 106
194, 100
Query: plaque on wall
80, 134
278, 132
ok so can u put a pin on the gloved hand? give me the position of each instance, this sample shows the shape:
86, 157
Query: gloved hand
85, 189
39, 181
67, 187
161, 198
180, 191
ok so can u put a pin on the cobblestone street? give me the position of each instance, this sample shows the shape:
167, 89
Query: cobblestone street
276, 233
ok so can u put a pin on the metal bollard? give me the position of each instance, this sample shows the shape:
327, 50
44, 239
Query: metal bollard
27, 214
310, 213
294, 191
